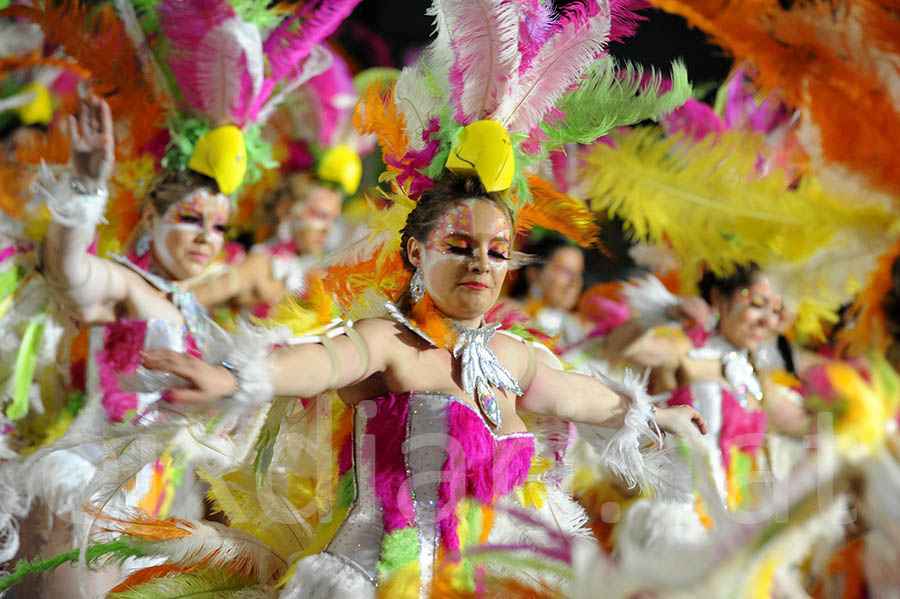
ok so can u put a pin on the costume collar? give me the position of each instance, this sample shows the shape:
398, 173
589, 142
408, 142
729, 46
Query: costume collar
480, 367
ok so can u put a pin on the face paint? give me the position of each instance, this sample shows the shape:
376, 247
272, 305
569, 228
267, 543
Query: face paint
454, 236
198, 213
464, 260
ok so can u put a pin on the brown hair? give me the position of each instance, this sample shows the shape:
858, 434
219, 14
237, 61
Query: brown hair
432, 204
295, 187
170, 187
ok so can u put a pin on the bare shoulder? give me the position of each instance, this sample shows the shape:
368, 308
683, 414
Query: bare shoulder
382, 331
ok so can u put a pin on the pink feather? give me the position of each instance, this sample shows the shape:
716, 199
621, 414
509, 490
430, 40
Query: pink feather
579, 38
695, 119
324, 94
624, 19
534, 29
485, 48
288, 45
186, 23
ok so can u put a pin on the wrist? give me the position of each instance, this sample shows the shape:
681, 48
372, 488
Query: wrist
233, 374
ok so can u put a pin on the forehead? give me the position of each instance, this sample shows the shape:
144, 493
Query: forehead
568, 257
473, 217
202, 200
319, 199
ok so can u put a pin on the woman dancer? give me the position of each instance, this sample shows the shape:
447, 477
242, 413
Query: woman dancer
435, 376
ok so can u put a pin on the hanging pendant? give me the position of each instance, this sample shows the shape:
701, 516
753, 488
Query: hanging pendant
482, 370
488, 404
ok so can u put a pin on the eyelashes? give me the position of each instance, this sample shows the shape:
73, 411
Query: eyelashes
466, 251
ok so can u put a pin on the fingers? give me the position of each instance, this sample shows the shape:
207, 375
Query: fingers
183, 365
74, 135
699, 422
106, 125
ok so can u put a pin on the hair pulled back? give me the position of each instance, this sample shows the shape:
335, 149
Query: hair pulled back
170, 187
742, 277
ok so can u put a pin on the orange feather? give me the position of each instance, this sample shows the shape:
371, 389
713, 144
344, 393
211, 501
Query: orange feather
825, 57
96, 39
377, 113
15, 63
53, 146
559, 212
867, 311
12, 189
143, 576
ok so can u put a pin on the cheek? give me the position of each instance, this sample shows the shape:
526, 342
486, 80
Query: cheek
177, 240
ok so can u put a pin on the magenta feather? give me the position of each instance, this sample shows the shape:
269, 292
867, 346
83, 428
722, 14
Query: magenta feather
294, 39
695, 119
579, 37
535, 28
485, 47
186, 23
624, 19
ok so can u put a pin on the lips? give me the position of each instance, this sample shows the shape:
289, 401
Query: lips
474, 285
198, 256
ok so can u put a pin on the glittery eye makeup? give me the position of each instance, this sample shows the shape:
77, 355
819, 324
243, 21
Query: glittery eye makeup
454, 235
197, 212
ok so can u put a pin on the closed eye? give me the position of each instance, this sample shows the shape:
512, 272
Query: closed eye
460, 251
497, 255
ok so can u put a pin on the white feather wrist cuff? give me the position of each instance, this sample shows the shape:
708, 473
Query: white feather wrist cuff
71, 204
635, 452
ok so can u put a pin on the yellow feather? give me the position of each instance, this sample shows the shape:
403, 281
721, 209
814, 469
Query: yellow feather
708, 202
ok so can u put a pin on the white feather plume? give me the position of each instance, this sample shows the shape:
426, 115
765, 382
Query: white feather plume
561, 61
486, 53
220, 63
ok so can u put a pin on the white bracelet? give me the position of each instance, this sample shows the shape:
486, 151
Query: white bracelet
70, 201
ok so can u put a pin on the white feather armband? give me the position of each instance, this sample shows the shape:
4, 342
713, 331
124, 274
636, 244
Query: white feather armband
70, 202
635, 452
650, 301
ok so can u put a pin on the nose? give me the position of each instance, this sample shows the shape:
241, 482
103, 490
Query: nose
480, 263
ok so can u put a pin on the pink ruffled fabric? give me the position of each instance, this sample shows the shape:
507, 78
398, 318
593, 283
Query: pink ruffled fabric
122, 344
745, 430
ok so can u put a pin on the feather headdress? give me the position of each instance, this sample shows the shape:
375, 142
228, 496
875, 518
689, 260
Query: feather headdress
547, 80
506, 79
228, 66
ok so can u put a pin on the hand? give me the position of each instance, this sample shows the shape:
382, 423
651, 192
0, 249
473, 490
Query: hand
91, 136
208, 382
693, 310
681, 421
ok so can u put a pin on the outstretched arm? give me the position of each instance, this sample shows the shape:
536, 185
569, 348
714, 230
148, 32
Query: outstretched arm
577, 398
249, 282
298, 371
88, 285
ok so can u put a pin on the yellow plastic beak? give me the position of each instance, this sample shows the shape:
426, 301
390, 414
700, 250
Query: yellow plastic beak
222, 155
484, 149
40, 108
342, 165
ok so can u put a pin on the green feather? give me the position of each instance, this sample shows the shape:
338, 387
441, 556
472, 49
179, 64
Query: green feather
257, 13
114, 551
26, 362
198, 584
611, 97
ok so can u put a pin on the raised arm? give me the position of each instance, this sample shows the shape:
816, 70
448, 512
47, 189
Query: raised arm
88, 285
